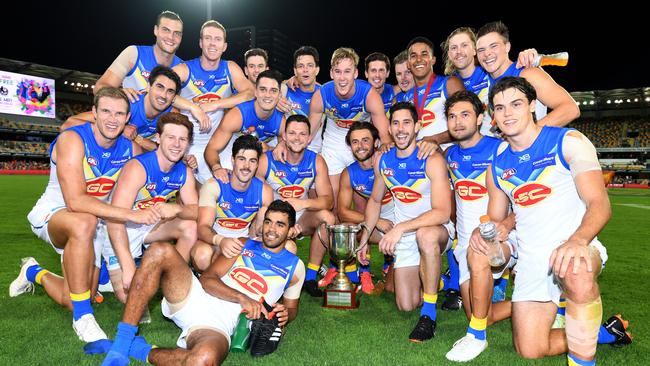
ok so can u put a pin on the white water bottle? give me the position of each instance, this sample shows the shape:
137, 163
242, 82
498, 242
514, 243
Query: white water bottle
488, 232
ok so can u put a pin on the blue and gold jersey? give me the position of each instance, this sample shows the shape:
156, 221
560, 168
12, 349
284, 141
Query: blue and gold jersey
433, 116
160, 186
236, 210
512, 70
407, 181
260, 273
146, 127
300, 100
291, 181
387, 97
362, 180
468, 169
266, 129
138, 77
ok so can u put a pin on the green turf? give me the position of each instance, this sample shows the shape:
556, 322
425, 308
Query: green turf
35, 331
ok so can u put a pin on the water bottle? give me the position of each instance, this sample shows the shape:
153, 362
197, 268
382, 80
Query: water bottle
555, 59
241, 335
488, 232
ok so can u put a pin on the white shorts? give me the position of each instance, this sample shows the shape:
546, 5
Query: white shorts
202, 311
407, 253
225, 157
535, 281
316, 145
337, 157
203, 172
39, 218
136, 234
461, 256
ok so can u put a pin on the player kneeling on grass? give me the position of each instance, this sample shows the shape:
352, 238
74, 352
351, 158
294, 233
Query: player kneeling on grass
207, 310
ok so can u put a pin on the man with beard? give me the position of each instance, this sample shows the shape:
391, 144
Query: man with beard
86, 161
422, 230
291, 181
357, 181
256, 117
207, 310
150, 180
213, 83
229, 210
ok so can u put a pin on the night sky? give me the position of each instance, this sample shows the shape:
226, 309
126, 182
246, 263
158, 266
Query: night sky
607, 46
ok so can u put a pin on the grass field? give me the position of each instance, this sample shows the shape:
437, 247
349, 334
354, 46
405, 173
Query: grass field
35, 331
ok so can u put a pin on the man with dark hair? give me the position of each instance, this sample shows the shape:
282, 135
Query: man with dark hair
357, 180
165, 86
207, 310
213, 83
291, 181
258, 117
430, 91
551, 178
86, 161
234, 209
402, 75
305, 69
151, 180
422, 230
493, 47
377, 67
256, 60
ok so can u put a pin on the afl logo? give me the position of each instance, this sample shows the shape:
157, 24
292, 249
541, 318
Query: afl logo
92, 161
225, 205
428, 118
405, 194
199, 83
453, 165
388, 172
291, 191
249, 280
530, 194
145, 74
232, 223
360, 188
150, 187
469, 190
280, 174
247, 253
508, 173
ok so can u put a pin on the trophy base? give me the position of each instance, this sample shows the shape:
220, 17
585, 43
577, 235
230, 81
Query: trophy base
342, 299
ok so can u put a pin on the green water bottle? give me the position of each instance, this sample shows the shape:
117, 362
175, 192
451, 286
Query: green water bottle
240, 337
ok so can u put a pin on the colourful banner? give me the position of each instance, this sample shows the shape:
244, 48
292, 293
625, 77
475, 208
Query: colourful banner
26, 95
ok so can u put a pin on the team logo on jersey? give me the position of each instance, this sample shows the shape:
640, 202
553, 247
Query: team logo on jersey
453, 165
530, 194
360, 188
428, 117
280, 174
99, 187
145, 74
199, 83
292, 191
92, 161
225, 205
148, 203
206, 98
388, 172
405, 194
150, 186
469, 190
232, 223
345, 123
508, 173
247, 253
249, 280
387, 198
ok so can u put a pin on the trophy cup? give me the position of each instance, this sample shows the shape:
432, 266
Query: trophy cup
343, 248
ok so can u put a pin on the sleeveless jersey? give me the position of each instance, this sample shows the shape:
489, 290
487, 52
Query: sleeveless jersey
138, 76
300, 100
387, 97
467, 169
160, 186
291, 181
362, 180
146, 127
237, 210
433, 117
512, 70
260, 273
542, 192
407, 181
266, 130
204, 86
479, 84
341, 114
